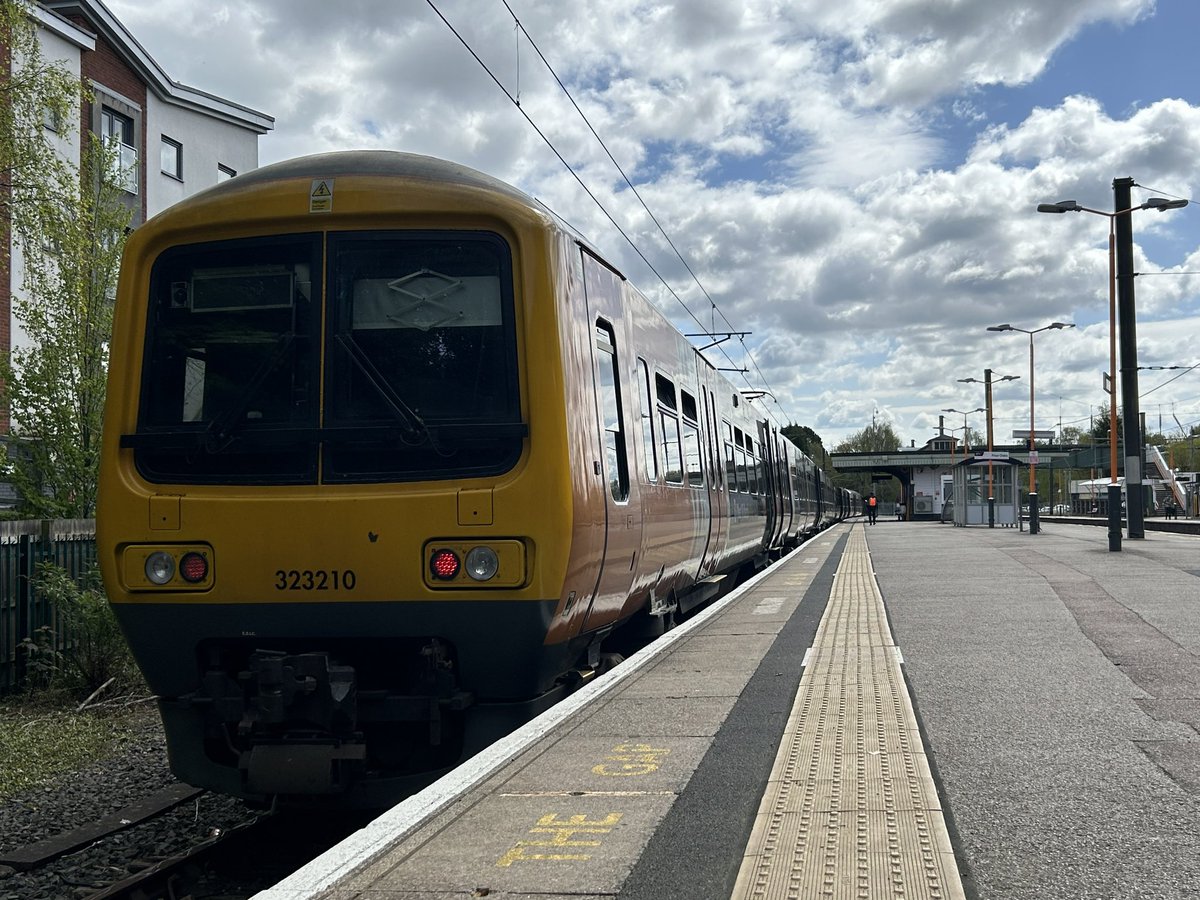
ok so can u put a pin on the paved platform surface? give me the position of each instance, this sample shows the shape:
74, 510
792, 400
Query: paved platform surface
1049, 748
1058, 685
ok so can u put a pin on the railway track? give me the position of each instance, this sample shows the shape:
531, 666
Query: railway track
160, 847
178, 842
240, 862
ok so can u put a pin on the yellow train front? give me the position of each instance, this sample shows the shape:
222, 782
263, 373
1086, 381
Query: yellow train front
387, 455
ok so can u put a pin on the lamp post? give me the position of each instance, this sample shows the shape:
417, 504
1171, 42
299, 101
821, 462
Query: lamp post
987, 397
964, 414
1033, 499
1129, 391
954, 444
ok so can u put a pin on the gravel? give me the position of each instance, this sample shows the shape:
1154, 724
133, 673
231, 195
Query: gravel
69, 800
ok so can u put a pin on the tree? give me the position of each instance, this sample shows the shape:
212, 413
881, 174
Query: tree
875, 438
878, 437
808, 441
33, 92
974, 439
1100, 424
1074, 435
70, 223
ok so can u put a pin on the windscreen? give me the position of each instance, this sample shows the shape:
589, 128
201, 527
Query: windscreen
421, 348
230, 374
417, 336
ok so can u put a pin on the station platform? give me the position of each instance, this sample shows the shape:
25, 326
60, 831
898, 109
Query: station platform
898, 710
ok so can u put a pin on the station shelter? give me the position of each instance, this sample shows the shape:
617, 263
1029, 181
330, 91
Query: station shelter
977, 478
926, 474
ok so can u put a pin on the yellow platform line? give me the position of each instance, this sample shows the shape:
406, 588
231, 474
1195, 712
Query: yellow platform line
851, 810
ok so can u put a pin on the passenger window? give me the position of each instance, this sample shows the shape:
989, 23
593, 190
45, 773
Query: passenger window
739, 448
609, 386
647, 422
670, 447
689, 406
691, 441
691, 455
665, 389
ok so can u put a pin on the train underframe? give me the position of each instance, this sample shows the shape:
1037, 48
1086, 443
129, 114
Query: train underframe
364, 721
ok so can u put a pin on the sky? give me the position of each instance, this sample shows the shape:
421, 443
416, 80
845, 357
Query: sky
853, 183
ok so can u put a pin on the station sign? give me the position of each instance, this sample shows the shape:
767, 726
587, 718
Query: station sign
992, 454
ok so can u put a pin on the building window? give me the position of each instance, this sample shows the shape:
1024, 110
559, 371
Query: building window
117, 131
172, 158
224, 173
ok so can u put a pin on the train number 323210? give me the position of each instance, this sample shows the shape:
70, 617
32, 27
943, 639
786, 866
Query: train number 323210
315, 579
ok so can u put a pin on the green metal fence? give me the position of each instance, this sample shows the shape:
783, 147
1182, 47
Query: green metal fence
24, 611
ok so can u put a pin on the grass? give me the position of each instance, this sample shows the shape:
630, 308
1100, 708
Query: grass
40, 744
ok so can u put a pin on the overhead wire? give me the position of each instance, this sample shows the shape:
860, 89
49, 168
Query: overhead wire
1168, 381
1154, 190
613, 160
516, 102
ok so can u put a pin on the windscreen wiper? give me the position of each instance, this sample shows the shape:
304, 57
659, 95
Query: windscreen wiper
414, 427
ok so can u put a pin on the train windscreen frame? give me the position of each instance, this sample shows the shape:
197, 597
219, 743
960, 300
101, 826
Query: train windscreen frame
420, 360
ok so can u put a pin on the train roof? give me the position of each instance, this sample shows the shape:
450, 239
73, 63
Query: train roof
382, 163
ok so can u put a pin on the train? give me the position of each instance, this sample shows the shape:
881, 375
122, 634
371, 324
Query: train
392, 460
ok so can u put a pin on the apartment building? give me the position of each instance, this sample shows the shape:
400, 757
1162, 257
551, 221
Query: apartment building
174, 140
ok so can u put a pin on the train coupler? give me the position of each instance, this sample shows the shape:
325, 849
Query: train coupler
306, 687
310, 768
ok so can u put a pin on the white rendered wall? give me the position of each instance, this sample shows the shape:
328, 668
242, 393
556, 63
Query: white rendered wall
206, 142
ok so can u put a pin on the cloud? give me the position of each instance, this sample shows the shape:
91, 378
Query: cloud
803, 156
909, 53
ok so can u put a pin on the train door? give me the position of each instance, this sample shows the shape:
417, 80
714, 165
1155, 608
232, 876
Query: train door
718, 504
783, 467
770, 490
612, 368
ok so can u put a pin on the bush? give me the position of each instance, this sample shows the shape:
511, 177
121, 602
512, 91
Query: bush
42, 659
94, 649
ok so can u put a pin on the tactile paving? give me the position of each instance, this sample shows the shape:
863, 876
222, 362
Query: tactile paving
851, 811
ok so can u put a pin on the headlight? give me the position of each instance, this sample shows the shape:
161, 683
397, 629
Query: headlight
482, 563
160, 567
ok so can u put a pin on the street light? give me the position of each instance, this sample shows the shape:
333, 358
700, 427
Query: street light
964, 414
954, 442
987, 397
1129, 389
1033, 499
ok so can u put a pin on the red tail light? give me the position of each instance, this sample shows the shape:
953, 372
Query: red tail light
193, 568
444, 564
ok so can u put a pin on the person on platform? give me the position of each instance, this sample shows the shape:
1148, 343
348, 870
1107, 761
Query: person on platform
872, 507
